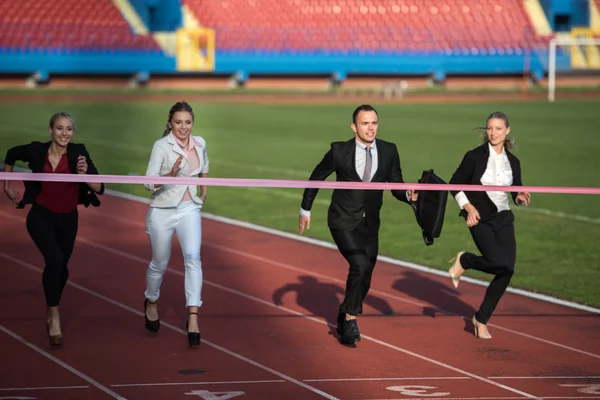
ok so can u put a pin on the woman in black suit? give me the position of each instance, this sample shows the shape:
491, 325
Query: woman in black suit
488, 214
52, 221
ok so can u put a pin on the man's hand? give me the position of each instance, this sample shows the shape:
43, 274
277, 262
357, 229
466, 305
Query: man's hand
302, 223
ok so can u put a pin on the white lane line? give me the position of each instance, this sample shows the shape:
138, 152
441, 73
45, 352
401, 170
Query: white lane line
42, 388
59, 362
196, 383
427, 378
559, 214
414, 378
544, 377
491, 398
174, 328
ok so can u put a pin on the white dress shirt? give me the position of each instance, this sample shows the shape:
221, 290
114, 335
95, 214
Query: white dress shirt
497, 173
360, 162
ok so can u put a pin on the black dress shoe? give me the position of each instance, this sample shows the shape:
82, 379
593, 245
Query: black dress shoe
350, 327
152, 326
354, 332
346, 336
347, 331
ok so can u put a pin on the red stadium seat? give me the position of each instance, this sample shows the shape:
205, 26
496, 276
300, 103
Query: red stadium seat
68, 25
367, 24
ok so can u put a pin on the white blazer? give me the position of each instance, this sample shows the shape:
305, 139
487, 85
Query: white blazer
165, 152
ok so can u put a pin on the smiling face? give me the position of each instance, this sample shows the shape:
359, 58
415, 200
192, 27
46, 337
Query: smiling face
366, 127
181, 124
61, 131
496, 131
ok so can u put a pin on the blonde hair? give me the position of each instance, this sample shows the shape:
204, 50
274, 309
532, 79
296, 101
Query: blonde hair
509, 142
61, 114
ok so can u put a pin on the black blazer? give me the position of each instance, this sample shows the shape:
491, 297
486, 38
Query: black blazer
348, 205
35, 153
470, 171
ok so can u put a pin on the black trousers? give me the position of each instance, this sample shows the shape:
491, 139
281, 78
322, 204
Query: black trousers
54, 235
495, 239
359, 247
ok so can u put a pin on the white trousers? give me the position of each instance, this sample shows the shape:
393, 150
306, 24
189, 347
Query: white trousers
161, 224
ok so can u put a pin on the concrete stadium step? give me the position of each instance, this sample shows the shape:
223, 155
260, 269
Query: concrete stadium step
595, 14
537, 17
131, 16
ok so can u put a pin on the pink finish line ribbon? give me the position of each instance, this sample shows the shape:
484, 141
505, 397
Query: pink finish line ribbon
280, 183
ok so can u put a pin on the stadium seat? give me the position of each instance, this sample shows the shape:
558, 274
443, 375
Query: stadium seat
395, 25
68, 26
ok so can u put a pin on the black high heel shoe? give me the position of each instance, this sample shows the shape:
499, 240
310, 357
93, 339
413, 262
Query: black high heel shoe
193, 337
152, 326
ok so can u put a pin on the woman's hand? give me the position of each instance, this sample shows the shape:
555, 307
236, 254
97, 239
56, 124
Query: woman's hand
82, 166
12, 195
472, 216
523, 198
176, 166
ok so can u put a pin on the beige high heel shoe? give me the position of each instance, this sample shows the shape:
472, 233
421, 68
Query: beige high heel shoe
55, 340
455, 260
476, 329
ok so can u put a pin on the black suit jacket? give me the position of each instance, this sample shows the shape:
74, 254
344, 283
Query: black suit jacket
470, 171
348, 205
35, 153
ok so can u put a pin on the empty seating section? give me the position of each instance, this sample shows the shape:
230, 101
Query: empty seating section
276, 25
68, 25
442, 25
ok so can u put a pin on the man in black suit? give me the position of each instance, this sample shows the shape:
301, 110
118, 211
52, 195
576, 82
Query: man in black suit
353, 216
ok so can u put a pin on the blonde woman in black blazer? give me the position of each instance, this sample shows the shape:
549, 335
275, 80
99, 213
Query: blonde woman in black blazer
53, 219
488, 215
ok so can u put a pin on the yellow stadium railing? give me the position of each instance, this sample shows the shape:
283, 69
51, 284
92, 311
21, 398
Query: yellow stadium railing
585, 55
195, 49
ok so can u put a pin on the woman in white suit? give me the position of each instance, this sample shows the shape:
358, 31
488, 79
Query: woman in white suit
176, 209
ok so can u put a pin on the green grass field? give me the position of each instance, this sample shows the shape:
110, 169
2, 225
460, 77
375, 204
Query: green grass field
557, 145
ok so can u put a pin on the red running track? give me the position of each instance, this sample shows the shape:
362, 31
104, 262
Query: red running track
267, 325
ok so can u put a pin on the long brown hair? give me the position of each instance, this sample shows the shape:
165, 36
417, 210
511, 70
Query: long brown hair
508, 142
179, 106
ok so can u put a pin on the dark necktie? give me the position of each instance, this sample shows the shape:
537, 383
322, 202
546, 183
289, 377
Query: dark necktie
367, 174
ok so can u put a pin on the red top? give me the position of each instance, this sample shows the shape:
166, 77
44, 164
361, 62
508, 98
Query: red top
60, 197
